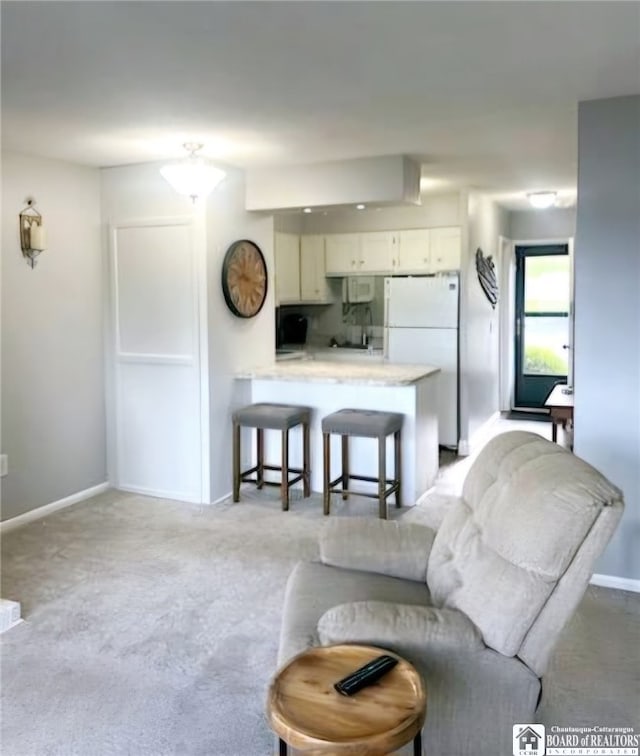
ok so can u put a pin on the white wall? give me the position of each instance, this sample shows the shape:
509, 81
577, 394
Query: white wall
552, 223
479, 322
607, 311
53, 416
436, 210
234, 343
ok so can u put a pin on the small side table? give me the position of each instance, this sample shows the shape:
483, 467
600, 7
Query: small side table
307, 713
560, 409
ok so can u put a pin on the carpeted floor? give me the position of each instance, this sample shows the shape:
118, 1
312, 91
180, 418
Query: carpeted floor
151, 628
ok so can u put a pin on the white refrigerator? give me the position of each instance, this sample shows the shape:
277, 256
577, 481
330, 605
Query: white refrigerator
421, 328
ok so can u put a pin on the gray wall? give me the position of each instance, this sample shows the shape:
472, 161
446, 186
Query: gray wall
53, 416
607, 312
553, 223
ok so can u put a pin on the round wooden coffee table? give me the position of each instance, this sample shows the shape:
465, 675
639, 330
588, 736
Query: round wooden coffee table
306, 712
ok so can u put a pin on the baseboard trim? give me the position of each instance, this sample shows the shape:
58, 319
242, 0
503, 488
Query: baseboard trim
611, 581
157, 493
47, 509
222, 499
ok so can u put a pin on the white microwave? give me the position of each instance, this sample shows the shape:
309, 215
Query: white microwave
358, 289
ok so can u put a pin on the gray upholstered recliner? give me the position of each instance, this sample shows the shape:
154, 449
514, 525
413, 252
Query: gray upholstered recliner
476, 599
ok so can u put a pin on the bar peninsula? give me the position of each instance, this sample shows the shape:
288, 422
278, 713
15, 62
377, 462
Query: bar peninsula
328, 386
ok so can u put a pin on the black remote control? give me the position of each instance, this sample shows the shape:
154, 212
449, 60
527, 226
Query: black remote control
367, 675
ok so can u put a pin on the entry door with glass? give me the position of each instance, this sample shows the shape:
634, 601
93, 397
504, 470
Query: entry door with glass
542, 327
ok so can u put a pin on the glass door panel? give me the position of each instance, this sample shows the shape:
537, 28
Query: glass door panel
543, 293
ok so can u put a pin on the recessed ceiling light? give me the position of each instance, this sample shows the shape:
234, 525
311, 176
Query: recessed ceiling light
360, 207
542, 200
307, 210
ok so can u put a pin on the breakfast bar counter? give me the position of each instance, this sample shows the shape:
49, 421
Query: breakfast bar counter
354, 373
326, 387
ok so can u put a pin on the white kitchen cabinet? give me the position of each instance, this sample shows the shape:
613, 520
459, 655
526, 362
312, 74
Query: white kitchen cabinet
420, 250
414, 251
287, 262
342, 254
446, 249
377, 252
313, 281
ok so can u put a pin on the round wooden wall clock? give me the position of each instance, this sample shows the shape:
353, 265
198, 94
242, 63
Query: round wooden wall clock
244, 279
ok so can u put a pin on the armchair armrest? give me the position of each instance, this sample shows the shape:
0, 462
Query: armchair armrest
389, 625
389, 548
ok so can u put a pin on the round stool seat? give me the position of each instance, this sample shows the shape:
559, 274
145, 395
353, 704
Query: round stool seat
307, 712
271, 416
366, 423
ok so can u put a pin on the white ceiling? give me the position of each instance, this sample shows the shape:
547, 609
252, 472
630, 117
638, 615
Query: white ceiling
483, 94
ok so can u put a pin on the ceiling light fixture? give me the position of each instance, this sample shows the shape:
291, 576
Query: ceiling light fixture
193, 177
307, 210
542, 200
360, 207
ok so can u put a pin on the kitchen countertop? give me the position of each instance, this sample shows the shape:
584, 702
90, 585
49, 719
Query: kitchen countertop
318, 371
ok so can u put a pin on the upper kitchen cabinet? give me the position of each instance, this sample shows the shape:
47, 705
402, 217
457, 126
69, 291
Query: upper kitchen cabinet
366, 253
377, 252
300, 270
313, 281
446, 248
408, 251
342, 254
414, 250
287, 262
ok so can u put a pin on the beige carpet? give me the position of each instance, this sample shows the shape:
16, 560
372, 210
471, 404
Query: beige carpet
151, 628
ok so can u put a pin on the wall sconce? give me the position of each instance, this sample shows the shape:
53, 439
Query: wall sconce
32, 235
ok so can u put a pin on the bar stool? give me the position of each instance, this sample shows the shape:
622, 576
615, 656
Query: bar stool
263, 417
368, 424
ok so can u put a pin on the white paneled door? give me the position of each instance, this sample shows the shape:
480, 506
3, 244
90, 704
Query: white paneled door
161, 431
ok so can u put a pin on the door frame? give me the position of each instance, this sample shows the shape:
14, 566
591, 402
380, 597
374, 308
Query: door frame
507, 249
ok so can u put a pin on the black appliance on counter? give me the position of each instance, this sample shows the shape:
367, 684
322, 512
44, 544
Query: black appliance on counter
291, 329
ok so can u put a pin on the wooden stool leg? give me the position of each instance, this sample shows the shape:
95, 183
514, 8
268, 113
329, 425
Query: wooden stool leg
282, 748
554, 431
260, 457
397, 463
326, 471
417, 744
236, 462
284, 485
382, 475
345, 465
306, 455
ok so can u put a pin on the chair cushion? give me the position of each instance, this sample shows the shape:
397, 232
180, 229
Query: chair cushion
273, 416
500, 551
367, 423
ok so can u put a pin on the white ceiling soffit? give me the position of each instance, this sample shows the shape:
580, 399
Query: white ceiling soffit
393, 179
480, 93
